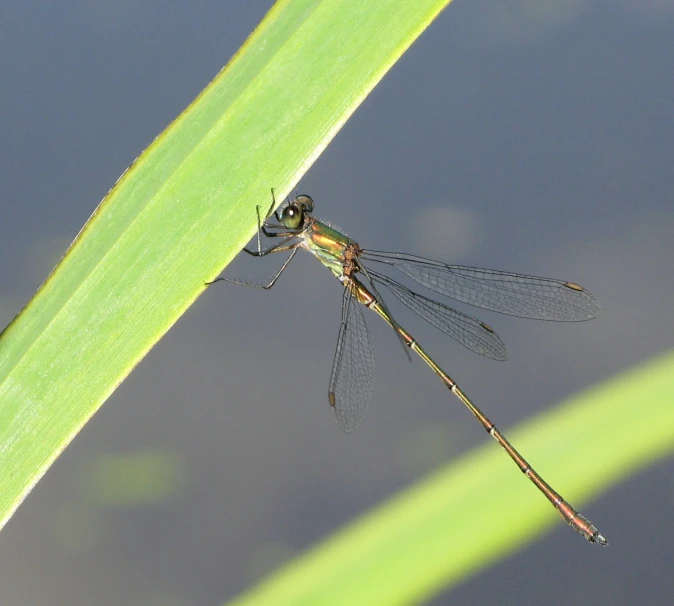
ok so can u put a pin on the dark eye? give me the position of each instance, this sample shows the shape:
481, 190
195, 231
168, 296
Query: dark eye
306, 202
292, 216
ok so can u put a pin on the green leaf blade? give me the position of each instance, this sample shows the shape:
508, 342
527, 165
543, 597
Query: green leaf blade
181, 212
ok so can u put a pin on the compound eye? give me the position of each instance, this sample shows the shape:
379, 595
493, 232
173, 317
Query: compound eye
306, 202
292, 216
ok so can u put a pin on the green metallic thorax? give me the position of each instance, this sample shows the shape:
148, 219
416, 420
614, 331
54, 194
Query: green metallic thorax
326, 244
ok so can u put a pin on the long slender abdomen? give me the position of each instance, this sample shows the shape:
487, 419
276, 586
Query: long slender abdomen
576, 520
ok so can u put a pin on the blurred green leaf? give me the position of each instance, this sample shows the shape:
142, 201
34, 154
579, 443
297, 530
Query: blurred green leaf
480, 509
134, 478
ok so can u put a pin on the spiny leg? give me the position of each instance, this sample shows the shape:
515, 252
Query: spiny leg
292, 247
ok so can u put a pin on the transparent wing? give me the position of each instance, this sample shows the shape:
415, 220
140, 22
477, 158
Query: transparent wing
382, 304
352, 378
505, 292
470, 332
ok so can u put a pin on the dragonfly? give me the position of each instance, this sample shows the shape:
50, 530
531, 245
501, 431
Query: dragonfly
352, 377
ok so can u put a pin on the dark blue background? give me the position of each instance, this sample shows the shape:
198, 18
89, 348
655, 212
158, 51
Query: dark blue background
535, 137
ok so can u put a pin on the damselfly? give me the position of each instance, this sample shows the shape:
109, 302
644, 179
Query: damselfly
352, 377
